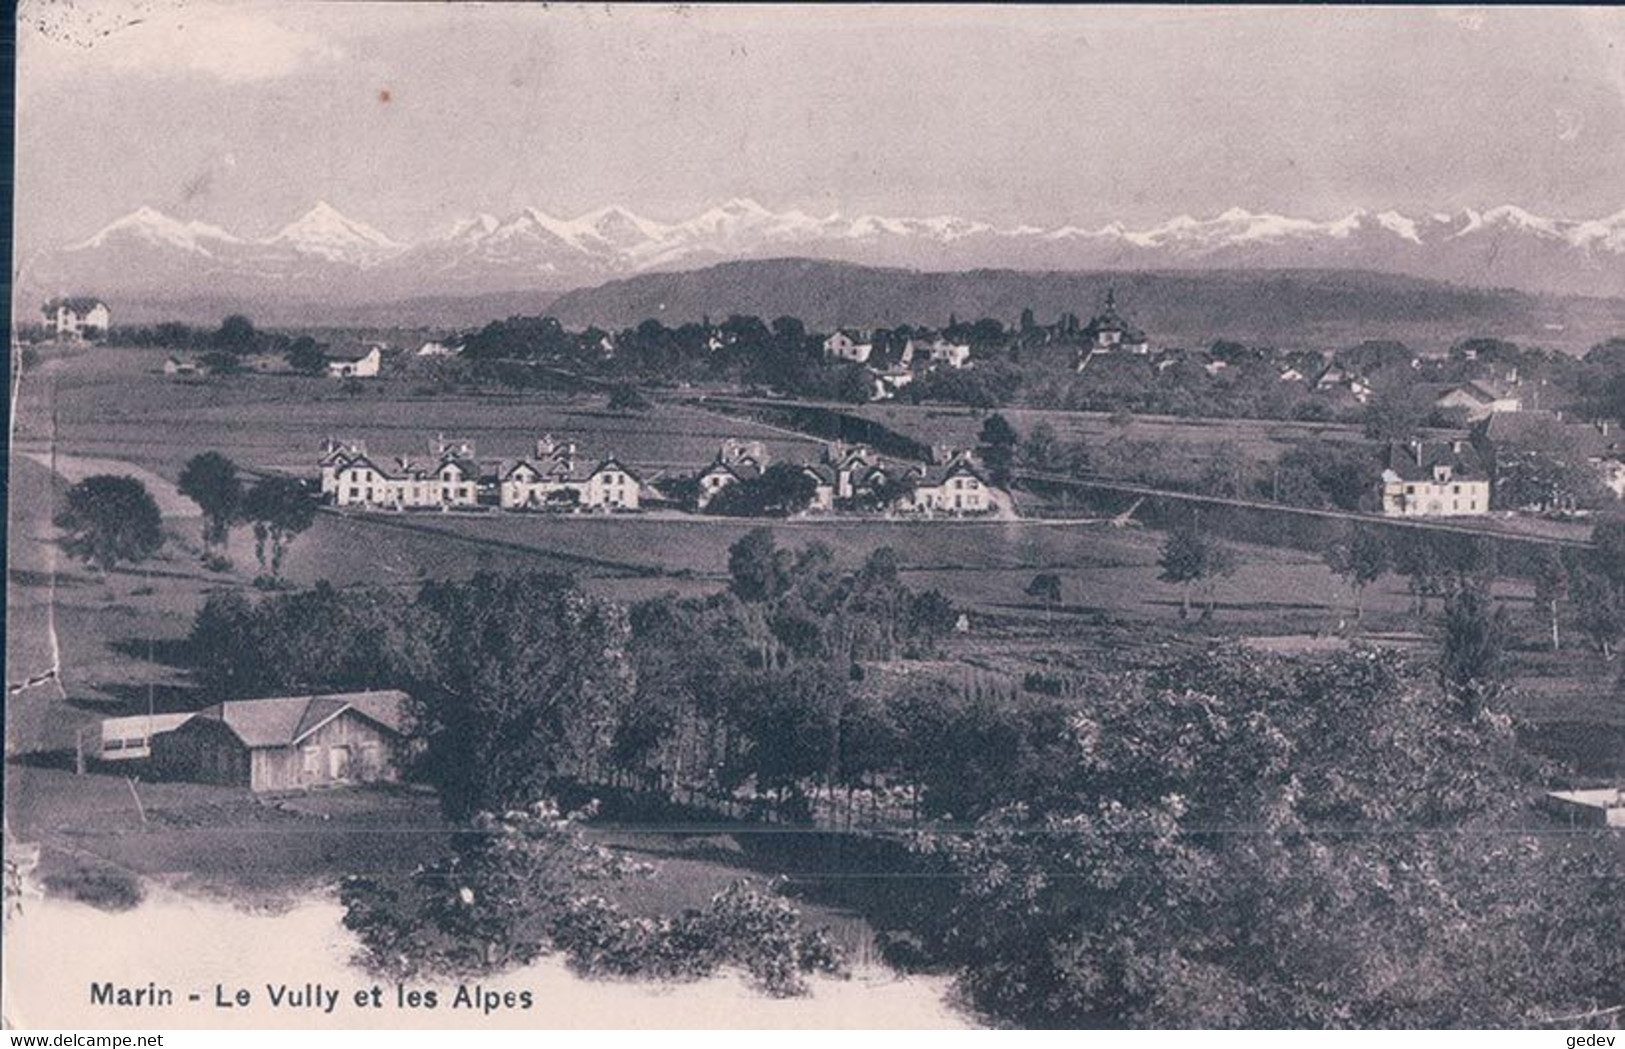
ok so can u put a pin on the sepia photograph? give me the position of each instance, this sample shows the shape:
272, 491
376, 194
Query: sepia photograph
703, 517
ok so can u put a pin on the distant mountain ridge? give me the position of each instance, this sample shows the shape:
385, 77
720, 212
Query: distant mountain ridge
323, 253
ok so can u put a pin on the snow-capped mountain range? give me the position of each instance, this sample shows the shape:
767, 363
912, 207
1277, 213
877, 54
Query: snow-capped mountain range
323, 253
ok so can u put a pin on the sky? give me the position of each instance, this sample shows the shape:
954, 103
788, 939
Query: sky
409, 116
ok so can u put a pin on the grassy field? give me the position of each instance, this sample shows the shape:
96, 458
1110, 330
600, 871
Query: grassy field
114, 637
1259, 440
115, 403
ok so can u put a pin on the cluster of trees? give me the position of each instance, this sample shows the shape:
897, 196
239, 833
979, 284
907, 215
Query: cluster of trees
222, 348
1195, 561
277, 509
778, 491
110, 519
1224, 840
527, 882
1240, 841
521, 679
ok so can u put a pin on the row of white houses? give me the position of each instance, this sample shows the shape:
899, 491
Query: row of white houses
449, 478
557, 478
955, 486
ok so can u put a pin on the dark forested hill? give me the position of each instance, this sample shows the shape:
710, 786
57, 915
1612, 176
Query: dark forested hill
1286, 308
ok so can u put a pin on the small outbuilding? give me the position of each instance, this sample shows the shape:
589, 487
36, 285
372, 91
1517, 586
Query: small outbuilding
290, 742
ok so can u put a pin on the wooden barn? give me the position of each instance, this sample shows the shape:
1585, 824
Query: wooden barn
290, 742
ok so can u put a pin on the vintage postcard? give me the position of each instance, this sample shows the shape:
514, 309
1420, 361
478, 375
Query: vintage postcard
815, 517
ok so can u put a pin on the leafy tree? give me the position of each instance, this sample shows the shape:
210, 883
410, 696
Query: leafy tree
854, 384
1323, 473
1046, 586
525, 678
236, 334
779, 491
1608, 554
931, 617
1540, 468
1473, 656
108, 519
1358, 556
757, 569
1600, 609
210, 480
279, 510
626, 398
997, 445
305, 356
1042, 449
1397, 411
1190, 558
1551, 576
220, 362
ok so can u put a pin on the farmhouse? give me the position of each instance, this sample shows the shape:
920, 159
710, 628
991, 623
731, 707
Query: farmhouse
847, 345
355, 364
555, 478
290, 742
1600, 445
1478, 399
438, 349
77, 318
735, 461
936, 350
1434, 479
956, 487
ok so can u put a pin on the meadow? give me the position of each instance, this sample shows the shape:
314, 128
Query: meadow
115, 637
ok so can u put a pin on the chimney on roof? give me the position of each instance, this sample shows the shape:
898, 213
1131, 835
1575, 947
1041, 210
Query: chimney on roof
1416, 450
1457, 445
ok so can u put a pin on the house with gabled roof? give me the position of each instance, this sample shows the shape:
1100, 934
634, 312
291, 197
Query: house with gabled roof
557, 478
356, 363
1478, 399
290, 743
957, 486
77, 318
735, 461
847, 344
1433, 479
935, 350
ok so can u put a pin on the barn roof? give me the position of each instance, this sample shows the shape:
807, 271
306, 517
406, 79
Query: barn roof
80, 304
285, 720
142, 726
